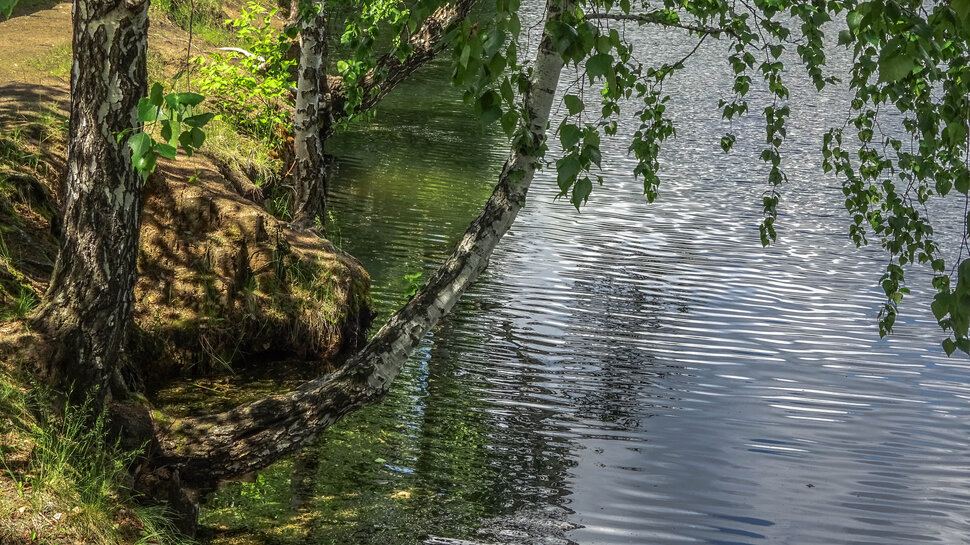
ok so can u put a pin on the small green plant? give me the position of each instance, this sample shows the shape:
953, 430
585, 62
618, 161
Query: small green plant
180, 126
333, 230
413, 284
252, 86
25, 299
279, 206
25, 302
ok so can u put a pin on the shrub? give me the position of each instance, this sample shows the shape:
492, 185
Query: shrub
251, 88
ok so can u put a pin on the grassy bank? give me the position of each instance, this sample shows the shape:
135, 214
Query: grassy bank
217, 263
64, 481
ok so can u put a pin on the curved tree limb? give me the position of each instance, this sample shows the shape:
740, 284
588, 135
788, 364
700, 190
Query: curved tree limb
426, 42
207, 449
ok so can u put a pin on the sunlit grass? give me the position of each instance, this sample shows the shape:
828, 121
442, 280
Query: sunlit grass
63, 480
56, 62
205, 18
225, 144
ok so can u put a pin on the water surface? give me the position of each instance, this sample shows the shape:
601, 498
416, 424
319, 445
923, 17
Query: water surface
633, 373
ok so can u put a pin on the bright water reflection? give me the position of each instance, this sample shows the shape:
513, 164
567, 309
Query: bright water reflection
637, 373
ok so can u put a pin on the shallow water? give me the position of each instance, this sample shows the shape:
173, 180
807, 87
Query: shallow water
633, 373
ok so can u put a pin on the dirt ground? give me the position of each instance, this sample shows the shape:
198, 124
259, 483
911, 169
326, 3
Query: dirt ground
36, 28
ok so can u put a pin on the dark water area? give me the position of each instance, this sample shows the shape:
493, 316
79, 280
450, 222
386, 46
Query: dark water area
634, 373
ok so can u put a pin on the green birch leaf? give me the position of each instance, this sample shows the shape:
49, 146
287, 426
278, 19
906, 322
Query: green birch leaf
490, 114
148, 112
853, 19
895, 61
507, 94
175, 129
198, 137
593, 155
146, 164
598, 65
581, 190
567, 167
165, 151
198, 120
155, 97
509, 122
140, 144
189, 99
574, 104
569, 135
896, 67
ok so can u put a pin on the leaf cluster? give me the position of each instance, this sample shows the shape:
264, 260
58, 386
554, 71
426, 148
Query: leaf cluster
372, 30
911, 59
179, 126
910, 69
252, 91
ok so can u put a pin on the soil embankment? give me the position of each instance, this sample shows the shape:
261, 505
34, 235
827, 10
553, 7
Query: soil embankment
221, 280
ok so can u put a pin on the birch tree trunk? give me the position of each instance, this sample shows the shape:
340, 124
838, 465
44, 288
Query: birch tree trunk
311, 121
90, 298
208, 449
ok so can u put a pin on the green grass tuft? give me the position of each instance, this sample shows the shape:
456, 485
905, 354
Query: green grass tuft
64, 481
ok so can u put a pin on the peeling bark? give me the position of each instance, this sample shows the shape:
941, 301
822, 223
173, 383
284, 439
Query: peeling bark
207, 449
90, 299
311, 122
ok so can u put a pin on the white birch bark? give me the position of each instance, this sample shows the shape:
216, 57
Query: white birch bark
311, 120
90, 299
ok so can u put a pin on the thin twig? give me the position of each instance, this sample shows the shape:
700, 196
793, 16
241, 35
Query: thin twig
654, 18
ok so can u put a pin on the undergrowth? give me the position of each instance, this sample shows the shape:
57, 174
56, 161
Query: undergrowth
205, 18
22, 205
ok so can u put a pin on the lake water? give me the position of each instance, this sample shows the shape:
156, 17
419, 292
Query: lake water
634, 373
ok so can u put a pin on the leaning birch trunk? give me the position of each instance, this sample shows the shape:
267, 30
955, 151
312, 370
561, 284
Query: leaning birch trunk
426, 42
251, 436
311, 120
90, 299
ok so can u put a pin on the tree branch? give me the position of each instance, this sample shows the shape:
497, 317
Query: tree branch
659, 18
208, 449
426, 42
